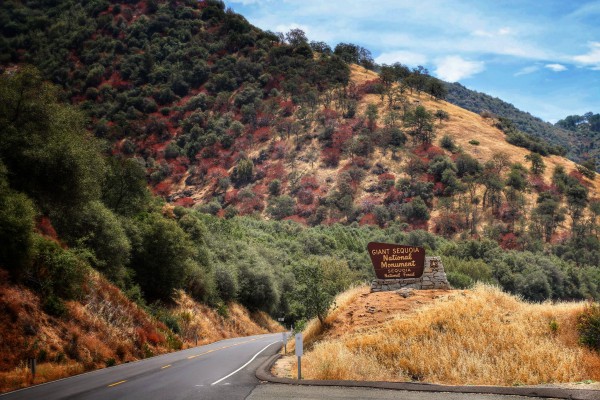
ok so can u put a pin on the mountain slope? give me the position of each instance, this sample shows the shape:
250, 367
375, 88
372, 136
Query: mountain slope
479, 103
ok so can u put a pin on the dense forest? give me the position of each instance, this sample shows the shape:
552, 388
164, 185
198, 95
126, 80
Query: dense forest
103, 100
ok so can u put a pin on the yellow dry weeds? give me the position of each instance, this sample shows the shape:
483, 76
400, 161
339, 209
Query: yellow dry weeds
481, 337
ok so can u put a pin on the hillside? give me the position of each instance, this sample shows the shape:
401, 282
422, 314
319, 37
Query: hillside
236, 121
478, 103
447, 337
586, 129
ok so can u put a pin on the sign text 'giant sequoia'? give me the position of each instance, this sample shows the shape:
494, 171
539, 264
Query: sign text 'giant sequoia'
395, 261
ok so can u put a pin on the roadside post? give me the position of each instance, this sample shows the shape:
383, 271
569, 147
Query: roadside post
284, 338
32, 363
299, 352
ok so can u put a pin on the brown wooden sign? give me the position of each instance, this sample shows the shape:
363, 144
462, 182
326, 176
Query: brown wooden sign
396, 261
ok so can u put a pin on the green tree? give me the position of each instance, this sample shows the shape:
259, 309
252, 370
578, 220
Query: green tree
537, 163
371, 114
281, 206
243, 171
124, 188
161, 256
548, 214
44, 144
17, 215
420, 125
311, 291
95, 227
577, 200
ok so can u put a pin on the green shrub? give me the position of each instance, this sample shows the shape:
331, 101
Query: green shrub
474, 142
226, 284
475, 270
257, 289
16, 226
55, 272
458, 280
54, 306
448, 143
588, 326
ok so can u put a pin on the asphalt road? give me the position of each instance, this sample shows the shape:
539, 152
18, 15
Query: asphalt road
284, 392
223, 370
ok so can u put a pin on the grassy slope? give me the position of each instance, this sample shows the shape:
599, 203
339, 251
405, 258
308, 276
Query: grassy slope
465, 125
480, 337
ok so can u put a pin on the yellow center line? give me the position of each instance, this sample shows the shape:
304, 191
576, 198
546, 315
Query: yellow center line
166, 366
220, 348
116, 383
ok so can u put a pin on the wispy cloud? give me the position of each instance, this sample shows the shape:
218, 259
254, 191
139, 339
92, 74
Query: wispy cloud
491, 34
455, 68
556, 67
592, 57
405, 57
527, 70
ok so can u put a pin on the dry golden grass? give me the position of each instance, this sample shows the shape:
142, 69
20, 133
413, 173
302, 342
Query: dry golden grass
20, 377
314, 329
483, 337
196, 318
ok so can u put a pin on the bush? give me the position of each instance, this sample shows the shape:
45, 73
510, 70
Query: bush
55, 272
474, 270
588, 326
281, 207
16, 226
97, 228
257, 290
227, 285
459, 280
474, 142
161, 257
448, 143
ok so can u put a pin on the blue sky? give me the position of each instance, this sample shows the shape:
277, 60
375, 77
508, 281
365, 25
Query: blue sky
543, 56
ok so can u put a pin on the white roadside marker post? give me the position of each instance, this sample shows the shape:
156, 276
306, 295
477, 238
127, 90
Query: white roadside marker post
299, 352
284, 338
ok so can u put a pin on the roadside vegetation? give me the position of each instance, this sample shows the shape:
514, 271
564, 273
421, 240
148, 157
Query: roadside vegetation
477, 337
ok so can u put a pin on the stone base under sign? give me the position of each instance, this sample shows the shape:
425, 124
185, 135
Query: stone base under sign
434, 277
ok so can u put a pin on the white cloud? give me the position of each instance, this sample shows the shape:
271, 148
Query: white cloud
284, 28
556, 67
527, 70
455, 68
592, 57
405, 57
487, 34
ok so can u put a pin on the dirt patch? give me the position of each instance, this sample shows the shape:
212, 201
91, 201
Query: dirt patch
370, 309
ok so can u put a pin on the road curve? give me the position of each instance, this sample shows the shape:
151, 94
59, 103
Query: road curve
221, 370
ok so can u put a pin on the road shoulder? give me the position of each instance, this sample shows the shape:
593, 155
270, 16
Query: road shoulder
263, 373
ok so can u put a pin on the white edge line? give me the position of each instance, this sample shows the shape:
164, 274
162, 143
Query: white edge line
244, 366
